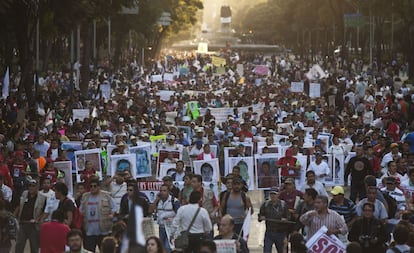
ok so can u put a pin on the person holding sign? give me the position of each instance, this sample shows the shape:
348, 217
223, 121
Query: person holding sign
226, 233
323, 216
290, 165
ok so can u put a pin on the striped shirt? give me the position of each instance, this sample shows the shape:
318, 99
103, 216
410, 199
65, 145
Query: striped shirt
332, 220
347, 209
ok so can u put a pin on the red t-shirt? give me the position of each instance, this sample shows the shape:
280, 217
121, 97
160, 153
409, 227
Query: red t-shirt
53, 237
87, 177
289, 161
52, 174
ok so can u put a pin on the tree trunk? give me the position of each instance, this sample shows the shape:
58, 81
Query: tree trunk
86, 34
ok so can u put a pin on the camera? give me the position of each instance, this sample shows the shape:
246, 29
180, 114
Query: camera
365, 240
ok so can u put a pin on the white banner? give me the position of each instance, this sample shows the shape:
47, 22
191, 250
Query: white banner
80, 114
296, 86
314, 90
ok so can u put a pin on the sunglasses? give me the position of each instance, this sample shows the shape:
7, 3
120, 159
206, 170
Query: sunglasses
93, 186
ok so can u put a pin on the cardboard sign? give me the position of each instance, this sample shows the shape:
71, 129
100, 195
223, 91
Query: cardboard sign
226, 246
80, 114
320, 242
296, 86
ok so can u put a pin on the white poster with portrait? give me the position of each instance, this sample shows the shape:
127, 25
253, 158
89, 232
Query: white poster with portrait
85, 157
70, 147
124, 163
65, 174
337, 166
142, 159
245, 151
303, 161
166, 169
246, 169
267, 175
208, 169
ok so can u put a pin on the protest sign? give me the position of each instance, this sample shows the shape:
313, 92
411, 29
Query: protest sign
296, 86
218, 61
240, 69
262, 70
226, 246
156, 78
314, 90
320, 242
105, 90
80, 114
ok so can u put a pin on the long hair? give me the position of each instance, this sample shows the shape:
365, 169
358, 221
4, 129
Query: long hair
160, 247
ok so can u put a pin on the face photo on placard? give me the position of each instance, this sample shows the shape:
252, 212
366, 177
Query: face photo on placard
208, 169
70, 148
88, 156
143, 160
338, 169
246, 169
121, 164
267, 175
151, 195
65, 174
166, 169
163, 155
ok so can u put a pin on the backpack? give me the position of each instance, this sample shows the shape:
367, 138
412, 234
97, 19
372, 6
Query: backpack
392, 205
226, 197
9, 226
77, 218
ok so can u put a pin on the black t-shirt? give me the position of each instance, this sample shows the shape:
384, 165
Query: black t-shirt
358, 167
28, 208
65, 206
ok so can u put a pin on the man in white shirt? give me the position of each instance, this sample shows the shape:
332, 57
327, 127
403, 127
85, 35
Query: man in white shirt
180, 173
202, 225
398, 195
390, 156
320, 167
117, 188
408, 186
312, 183
41, 146
6, 192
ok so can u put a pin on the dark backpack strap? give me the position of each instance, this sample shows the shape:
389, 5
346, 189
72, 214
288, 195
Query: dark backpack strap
396, 250
192, 221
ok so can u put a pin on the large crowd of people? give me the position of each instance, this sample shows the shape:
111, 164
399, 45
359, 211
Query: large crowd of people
365, 113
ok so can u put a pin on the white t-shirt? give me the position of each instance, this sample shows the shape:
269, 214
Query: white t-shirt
319, 170
117, 191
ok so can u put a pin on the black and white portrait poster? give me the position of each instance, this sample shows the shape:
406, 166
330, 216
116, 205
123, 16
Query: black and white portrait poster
208, 169
142, 159
246, 169
124, 163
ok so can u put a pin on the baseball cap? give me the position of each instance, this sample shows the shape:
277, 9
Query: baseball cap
337, 190
30, 180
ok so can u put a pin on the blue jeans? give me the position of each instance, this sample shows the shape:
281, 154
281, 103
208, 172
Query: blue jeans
164, 239
271, 238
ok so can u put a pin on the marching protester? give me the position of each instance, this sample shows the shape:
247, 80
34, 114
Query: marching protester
227, 233
369, 231
235, 203
276, 215
323, 216
195, 220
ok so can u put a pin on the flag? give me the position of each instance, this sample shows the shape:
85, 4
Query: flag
6, 84
246, 225
134, 235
